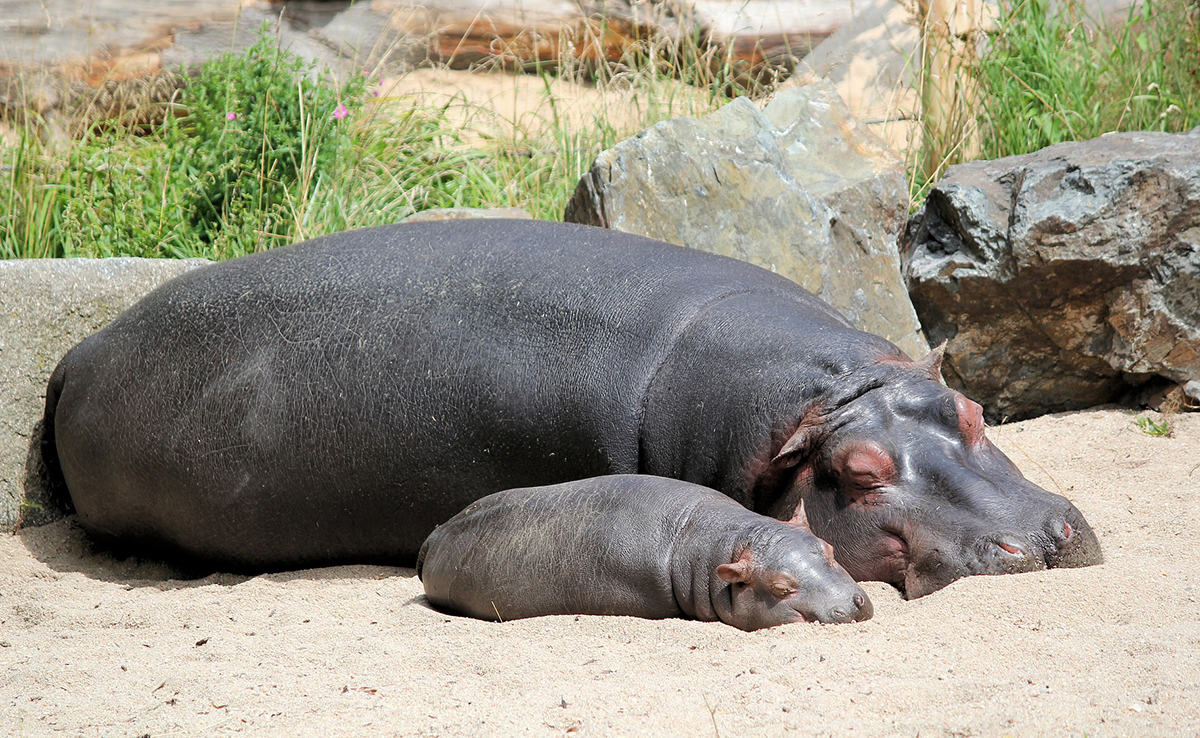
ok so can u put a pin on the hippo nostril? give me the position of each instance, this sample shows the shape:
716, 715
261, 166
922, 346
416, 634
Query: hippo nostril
1010, 548
837, 614
1010, 555
859, 601
1067, 530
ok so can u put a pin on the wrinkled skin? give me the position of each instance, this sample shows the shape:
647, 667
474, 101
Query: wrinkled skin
909, 490
634, 545
337, 399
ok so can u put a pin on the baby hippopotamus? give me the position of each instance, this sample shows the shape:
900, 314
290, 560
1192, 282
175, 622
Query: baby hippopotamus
636, 545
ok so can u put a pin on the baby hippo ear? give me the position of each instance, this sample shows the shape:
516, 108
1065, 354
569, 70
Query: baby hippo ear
738, 571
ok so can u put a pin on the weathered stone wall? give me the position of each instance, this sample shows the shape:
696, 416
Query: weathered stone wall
46, 307
1064, 278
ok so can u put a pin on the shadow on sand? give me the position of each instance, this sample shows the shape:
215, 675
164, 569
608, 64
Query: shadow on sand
52, 534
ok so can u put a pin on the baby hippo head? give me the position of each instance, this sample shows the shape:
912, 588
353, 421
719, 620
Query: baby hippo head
788, 575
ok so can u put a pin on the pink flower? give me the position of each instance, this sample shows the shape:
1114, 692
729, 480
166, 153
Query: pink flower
340, 112
231, 115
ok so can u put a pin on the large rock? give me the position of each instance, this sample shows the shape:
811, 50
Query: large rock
873, 61
1065, 277
46, 307
799, 188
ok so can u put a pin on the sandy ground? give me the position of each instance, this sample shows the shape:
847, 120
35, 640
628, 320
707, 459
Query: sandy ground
483, 107
94, 646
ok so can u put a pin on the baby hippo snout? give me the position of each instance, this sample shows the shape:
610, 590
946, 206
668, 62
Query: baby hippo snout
634, 545
808, 583
860, 609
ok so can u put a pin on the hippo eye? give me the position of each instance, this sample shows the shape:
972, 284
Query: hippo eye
865, 467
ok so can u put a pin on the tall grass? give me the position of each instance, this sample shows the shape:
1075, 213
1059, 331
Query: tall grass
1052, 76
260, 150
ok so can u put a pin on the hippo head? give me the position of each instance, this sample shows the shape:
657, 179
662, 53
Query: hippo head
897, 473
788, 575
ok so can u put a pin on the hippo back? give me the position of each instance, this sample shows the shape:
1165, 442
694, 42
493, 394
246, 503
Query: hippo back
337, 399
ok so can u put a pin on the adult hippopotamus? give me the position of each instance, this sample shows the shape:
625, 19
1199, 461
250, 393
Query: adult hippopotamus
336, 399
631, 544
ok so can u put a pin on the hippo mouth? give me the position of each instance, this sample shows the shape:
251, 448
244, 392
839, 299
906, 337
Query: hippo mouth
929, 571
893, 560
861, 609
894, 539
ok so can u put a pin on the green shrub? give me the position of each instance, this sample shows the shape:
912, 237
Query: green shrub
248, 143
259, 149
1049, 76
262, 132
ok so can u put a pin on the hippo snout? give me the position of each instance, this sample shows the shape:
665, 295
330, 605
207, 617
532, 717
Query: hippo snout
1075, 543
858, 610
1008, 554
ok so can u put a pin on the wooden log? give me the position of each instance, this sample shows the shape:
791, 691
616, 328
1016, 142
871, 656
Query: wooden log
753, 35
529, 34
949, 86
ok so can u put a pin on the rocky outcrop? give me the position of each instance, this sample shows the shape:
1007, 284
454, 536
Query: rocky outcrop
799, 188
46, 307
1064, 278
872, 60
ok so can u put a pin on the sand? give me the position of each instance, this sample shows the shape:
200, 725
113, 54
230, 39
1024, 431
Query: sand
90, 645
482, 107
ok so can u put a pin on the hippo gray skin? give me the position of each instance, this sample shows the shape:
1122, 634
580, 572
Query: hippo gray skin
336, 399
634, 545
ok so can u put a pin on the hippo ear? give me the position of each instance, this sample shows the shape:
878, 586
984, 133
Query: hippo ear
794, 448
802, 440
932, 363
800, 519
739, 571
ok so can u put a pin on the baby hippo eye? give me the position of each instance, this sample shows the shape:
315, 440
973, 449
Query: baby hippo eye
782, 591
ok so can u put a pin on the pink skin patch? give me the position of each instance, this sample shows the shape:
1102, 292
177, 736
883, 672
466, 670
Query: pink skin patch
864, 468
970, 419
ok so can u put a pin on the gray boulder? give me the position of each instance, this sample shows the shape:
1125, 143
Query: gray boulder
800, 188
1064, 278
46, 307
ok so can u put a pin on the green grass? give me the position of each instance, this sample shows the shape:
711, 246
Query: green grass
1052, 77
1152, 428
259, 150
1049, 74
